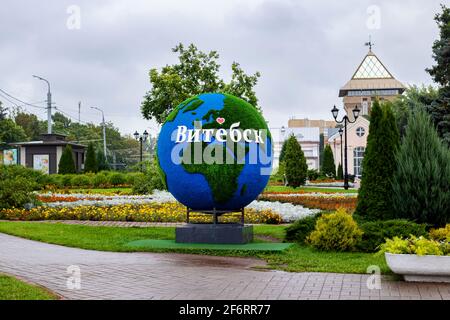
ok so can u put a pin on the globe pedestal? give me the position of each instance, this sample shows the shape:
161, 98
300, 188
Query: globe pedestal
222, 233
215, 233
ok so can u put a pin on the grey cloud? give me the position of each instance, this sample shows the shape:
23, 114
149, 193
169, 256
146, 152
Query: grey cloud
305, 50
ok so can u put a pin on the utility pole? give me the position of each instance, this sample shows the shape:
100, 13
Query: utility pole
49, 105
104, 130
79, 112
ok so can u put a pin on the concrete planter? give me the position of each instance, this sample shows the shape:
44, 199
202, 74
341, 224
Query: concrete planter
420, 268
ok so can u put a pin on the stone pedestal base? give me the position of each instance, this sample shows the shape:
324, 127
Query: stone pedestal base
214, 233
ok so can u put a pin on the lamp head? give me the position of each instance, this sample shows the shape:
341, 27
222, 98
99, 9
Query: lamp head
335, 112
356, 112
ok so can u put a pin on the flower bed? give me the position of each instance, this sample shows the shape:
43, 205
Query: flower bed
52, 198
317, 201
287, 211
151, 212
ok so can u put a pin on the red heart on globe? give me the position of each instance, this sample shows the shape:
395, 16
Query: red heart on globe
220, 120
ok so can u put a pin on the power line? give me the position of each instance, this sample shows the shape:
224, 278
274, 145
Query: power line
21, 101
68, 115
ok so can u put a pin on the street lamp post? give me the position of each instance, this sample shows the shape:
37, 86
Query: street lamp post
49, 105
141, 138
345, 120
340, 133
104, 130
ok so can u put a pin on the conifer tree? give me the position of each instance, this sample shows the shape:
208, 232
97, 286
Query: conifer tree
295, 163
378, 165
90, 165
328, 166
421, 182
340, 172
67, 163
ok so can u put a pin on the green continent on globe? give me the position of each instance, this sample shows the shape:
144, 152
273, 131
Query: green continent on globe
223, 178
191, 103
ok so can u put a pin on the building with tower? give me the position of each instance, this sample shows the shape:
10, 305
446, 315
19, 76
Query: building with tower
371, 80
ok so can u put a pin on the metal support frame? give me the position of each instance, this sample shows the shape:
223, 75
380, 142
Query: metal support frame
215, 214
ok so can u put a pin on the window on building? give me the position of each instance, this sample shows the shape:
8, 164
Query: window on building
365, 107
360, 131
358, 155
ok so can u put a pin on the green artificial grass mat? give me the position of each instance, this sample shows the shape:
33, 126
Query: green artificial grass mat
171, 244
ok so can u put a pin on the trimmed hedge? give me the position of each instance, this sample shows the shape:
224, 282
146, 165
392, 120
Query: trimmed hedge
376, 232
301, 229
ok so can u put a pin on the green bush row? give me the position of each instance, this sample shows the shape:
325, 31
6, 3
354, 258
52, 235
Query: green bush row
97, 180
340, 232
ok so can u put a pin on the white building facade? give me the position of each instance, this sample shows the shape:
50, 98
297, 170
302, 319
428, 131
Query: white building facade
309, 140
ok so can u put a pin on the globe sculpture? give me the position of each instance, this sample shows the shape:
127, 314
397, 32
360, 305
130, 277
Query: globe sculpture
215, 152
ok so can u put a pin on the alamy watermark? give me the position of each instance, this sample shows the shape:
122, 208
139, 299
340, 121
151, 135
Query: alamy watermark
73, 282
374, 280
73, 22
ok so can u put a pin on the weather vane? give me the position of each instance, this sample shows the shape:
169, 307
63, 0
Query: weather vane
369, 44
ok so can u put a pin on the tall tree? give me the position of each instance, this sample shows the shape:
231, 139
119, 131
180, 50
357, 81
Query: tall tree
11, 132
67, 163
440, 109
295, 163
283, 151
196, 72
421, 181
378, 165
340, 172
3, 112
328, 166
30, 124
414, 98
90, 165
101, 161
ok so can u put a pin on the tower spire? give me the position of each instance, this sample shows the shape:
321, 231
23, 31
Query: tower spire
370, 43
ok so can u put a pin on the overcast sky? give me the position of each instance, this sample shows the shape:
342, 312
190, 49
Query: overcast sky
305, 50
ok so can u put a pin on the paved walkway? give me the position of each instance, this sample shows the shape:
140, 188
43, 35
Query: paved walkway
109, 275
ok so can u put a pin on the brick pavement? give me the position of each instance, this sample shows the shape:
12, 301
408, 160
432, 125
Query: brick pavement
110, 275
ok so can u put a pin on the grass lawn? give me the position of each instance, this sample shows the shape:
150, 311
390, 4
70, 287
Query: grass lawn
296, 258
14, 289
308, 189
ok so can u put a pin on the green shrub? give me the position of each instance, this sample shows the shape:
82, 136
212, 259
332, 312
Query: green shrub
143, 184
415, 245
81, 180
13, 171
421, 182
116, 179
301, 229
313, 174
441, 234
131, 177
376, 232
100, 180
53, 180
66, 180
335, 232
17, 192
17, 184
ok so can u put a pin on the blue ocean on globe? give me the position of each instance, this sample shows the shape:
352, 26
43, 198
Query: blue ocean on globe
208, 189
